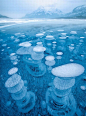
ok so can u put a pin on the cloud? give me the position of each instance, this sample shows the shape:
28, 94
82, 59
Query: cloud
18, 8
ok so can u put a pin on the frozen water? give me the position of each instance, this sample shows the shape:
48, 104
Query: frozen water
39, 34
49, 37
59, 57
13, 80
25, 44
50, 63
62, 37
12, 54
12, 71
39, 49
83, 87
63, 84
59, 53
49, 58
28, 32
60, 30
23, 50
68, 70
73, 32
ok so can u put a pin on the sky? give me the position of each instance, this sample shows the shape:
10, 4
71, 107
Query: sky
19, 8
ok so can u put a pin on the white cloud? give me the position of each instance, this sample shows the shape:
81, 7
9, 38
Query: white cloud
18, 8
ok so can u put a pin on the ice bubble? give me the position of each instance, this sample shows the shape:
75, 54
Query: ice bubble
12, 54
25, 44
71, 60
23, 51
39, 43
63, 34
71, 47
73, 32
49, 58
22, 35
83, 87
12, 81
49, 44
63, 84
39, 49
59, 57
81, 40
12, 37
8, 47
15, 63
62, 37
39, 34
4, 45
59, 53
13, 57
85, 32
2, 50
49, 37
50, 63
72, 44
54, 42
82, 37
16, 40
16, 34
12, 71
68, 70
60, 30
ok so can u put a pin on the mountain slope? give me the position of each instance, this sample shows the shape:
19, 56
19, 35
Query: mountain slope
45, 12
78, 12
2, 16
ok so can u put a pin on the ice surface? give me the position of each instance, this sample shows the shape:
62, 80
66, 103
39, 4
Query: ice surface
50, 63
73, 32
82, 37
83, 87
59, 53
49, 37
60, 30
12, 70
39, 34
62, 37
58, 57
50, 58
23, 50
13, 80
25, 44
39, 49
54, 42
68, 70
63, 84
63, 34
12, 54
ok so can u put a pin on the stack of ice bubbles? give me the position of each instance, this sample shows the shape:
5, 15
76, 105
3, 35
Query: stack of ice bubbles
59, 98
25, 100
50, 62
34, 64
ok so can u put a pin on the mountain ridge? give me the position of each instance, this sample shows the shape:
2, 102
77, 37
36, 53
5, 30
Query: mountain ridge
53, 12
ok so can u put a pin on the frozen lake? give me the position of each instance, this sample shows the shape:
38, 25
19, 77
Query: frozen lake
15, 31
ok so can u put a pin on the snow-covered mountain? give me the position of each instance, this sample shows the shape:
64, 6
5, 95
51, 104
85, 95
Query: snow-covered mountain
78, 12
54, 12
45, 12
2, 16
